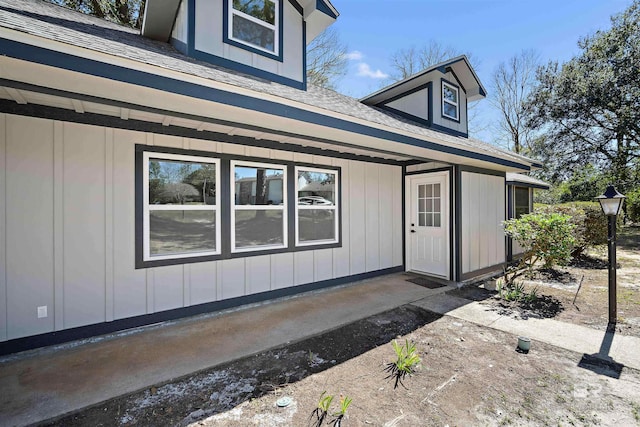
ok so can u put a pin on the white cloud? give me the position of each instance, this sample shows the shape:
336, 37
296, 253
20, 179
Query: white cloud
365, 71
354, 56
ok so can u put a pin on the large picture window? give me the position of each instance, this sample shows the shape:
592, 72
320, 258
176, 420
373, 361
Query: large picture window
181, 206
450, 101
195, 206
258, 206
255, 23
316, 206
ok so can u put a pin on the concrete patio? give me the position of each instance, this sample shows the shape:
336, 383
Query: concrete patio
47, 383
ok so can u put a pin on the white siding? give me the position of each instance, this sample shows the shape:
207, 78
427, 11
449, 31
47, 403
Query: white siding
68, 230
416, 103
483, 239
179, 31
209, 39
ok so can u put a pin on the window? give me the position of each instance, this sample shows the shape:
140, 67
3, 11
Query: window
316, 206
429, 211
181, 206
521, 205
255, 23
191, 207
258, 206
450, 101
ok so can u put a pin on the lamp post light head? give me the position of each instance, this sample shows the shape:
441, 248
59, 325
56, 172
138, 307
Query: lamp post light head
611, 201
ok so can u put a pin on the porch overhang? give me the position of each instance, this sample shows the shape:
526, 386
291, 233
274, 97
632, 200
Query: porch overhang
49, 73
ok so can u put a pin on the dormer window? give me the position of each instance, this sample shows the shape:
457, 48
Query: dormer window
450, 105
255, 23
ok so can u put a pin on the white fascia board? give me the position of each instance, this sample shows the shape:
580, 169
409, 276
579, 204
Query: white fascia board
75, 82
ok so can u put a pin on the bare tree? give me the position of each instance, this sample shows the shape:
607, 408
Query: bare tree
326, 59
406, 62
512, 82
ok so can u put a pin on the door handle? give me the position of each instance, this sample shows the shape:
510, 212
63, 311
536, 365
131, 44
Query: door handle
413, 231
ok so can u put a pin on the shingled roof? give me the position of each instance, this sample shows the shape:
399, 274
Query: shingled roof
60, 24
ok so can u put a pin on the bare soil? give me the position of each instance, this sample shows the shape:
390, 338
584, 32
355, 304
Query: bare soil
469, 375
579, 292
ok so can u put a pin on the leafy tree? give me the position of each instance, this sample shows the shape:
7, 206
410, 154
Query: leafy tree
589, 107
126, 12
511, 84
326, 59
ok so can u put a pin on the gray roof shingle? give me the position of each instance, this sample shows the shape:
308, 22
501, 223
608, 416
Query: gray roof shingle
57, 23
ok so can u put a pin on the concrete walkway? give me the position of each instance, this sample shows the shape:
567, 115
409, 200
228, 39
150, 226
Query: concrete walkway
47, 383
50, 382
611, 347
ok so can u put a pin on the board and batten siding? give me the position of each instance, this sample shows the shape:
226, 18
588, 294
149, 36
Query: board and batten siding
483, 211
67, 230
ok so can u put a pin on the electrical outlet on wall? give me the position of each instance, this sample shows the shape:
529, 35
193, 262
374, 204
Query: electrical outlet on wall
42, 311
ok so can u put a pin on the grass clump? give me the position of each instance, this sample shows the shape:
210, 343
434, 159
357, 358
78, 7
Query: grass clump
407, 360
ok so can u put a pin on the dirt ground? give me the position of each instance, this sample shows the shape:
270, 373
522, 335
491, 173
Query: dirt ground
579, 292
469, 375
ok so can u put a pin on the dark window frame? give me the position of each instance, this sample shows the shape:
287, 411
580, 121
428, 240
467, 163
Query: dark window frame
227, 29
458, 90
517, 214
225, 206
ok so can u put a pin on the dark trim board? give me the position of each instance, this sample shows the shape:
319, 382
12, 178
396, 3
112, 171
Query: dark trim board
482, 171
83, 332
458, 222
53, 113
69, 62
483, 271
527, 185
443, 169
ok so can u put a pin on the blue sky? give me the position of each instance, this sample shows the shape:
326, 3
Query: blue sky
492, 30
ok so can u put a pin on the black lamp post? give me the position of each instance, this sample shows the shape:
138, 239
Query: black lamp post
611, 202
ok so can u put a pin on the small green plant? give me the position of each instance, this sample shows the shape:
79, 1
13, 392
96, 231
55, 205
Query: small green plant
513, 292
321, 413
345, 401
405, 364
322, 410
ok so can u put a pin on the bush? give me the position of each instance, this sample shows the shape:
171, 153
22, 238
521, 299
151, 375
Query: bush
590, 223
546, 236
633, 205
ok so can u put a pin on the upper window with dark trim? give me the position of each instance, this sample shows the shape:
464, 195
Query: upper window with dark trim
317, 206
521, 205
258, 206
255, 23
181, 206
450, 101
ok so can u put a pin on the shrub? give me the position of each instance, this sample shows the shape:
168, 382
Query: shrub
545, 236
633, 205
590, 223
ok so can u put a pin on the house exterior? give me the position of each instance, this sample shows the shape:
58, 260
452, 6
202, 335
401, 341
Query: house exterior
191, 168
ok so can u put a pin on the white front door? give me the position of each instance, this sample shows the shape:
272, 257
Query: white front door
428, 223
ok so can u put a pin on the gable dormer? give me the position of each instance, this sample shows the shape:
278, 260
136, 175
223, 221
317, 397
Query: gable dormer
264, 38
436, 97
